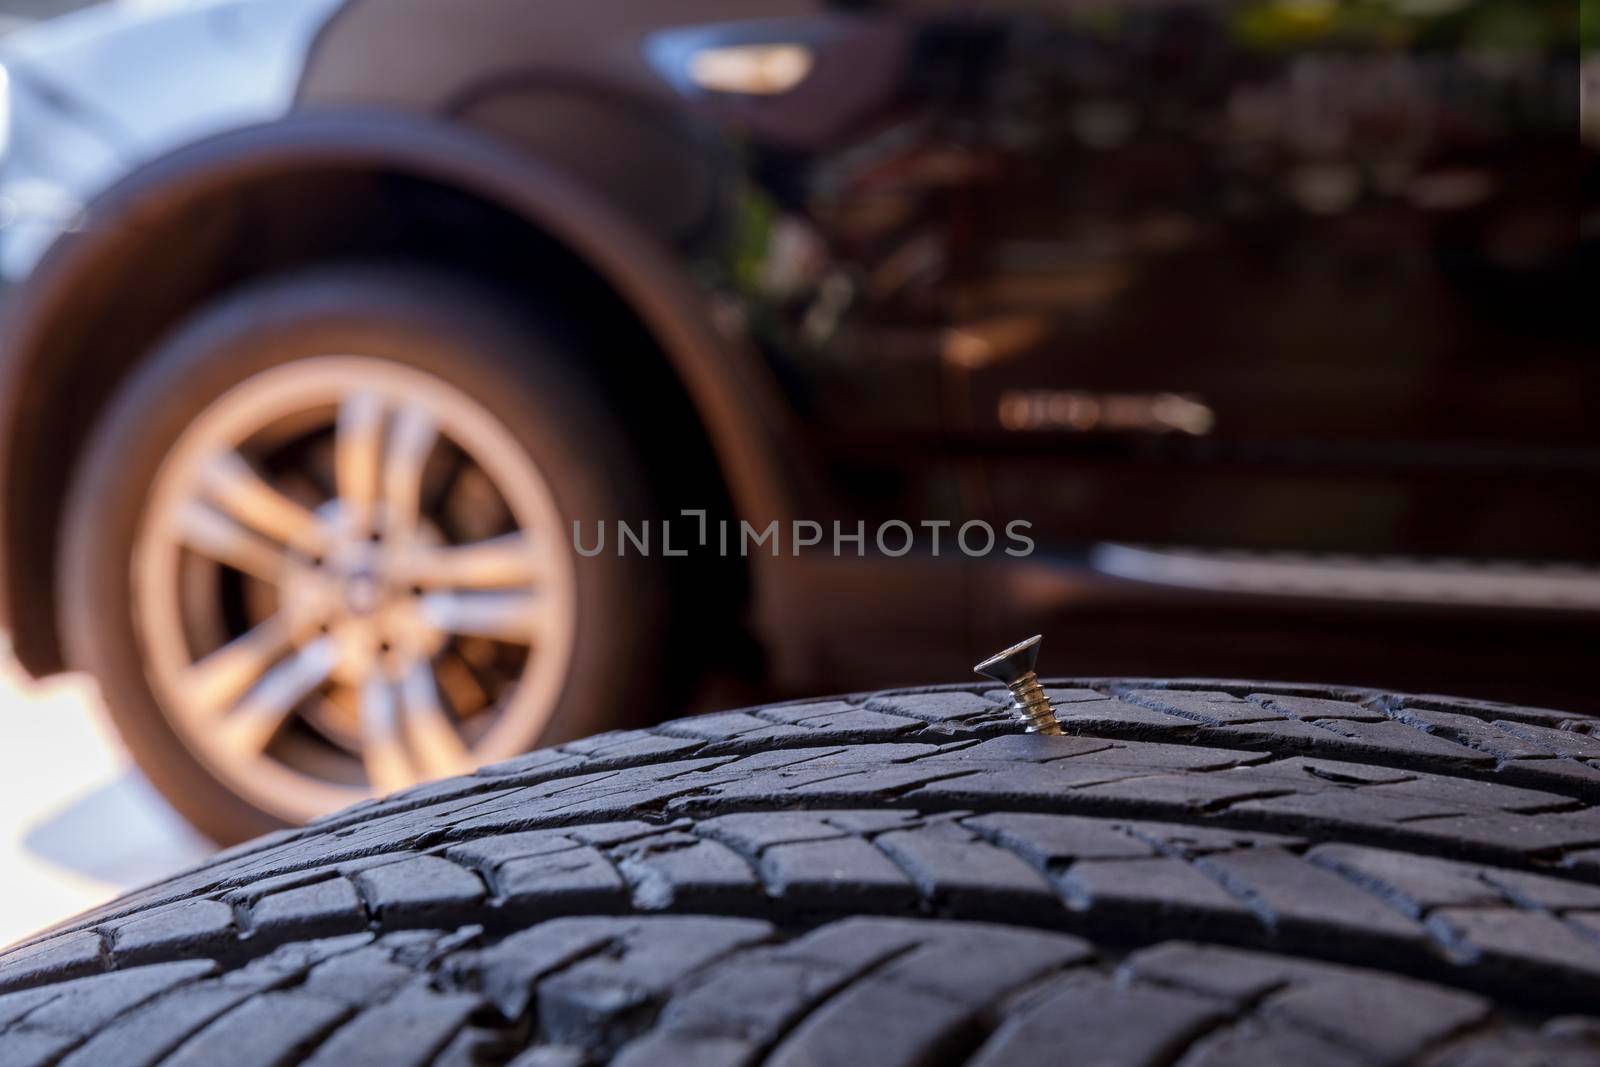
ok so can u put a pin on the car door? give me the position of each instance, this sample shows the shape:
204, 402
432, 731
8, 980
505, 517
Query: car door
1281, 276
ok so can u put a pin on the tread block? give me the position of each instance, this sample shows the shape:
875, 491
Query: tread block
730, 1016
1413, 884
272, 1029
1471, 796
1023, 748
630, 745
1552, 1047
321, 908
406, 1031
1346, 807
188, 927
80, 1007
418, 890
508, 971
603, 1000
977, 964
146, 1035
614, 833
1472, 732
858, 725
1183, 792
486, 853
988, 787
1296, 897
1488, 710
63, 956
1569, 743
1398, 1019
1107, 1023
1398, 737
1048, 841
750, 833
1524, 835
1146, 756
946, 708
818, 785
544, 761
954, 866
33, 1048
577, 878
365, 976
881, 1023
826, 711
839, 873
1542, 891
1268, 1045
15, 1005
1131, 891
553, 1056
1316, 709
730, 726
837, 719
924, 1002
1207, 706
681, 870
1117, 718
1511, 935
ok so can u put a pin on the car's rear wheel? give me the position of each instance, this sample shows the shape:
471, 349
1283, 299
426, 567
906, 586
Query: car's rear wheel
320, 547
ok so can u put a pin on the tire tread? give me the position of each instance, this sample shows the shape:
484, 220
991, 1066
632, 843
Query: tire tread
1242, 874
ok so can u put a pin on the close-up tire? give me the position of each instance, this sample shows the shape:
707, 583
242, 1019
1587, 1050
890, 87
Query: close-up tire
1193, 873
320, 547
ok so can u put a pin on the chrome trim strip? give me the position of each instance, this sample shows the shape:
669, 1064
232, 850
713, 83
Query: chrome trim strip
1371, 578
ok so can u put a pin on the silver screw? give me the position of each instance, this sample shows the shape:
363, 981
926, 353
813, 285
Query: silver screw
1014, 667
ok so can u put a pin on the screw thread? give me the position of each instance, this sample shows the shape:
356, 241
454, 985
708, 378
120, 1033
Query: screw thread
1030, 705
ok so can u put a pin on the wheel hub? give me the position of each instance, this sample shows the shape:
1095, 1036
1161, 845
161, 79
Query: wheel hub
363, 594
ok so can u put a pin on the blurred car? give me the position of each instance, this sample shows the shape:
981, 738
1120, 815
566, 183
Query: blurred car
1246, 333
87, 99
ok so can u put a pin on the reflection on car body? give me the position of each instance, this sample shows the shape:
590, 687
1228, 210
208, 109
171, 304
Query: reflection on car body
1262, 314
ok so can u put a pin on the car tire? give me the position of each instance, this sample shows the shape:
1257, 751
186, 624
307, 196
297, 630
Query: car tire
1195, 873
508, 371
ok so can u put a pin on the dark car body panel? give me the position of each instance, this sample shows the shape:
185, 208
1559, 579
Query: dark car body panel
1163, 273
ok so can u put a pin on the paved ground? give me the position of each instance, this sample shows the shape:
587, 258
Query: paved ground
77, 823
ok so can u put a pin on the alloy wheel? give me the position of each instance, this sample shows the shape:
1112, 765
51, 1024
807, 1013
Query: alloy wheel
349, 578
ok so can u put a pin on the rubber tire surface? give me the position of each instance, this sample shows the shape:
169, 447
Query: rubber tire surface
514, 364
1198, 873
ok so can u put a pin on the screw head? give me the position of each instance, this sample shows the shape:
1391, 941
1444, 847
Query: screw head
1014, 664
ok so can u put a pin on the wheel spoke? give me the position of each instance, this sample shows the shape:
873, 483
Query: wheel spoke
513, 617
410, 444
215, 536
358, 451
249, 728
383, 749
439, 750
242, 494
497, 563
217, 682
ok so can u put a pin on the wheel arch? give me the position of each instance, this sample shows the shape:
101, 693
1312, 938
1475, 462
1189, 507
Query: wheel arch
76, 329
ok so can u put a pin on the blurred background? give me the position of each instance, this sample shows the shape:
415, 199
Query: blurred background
1273, 318
78, 823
